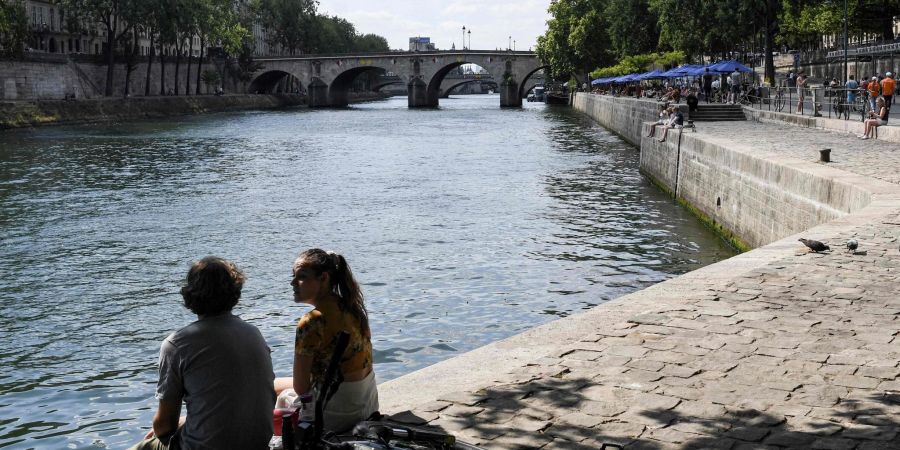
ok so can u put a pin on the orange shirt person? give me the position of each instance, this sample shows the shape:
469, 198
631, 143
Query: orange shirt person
887, 89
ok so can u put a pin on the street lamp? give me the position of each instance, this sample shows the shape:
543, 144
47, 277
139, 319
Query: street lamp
470, 38
514, 45
464, 38
509, 43
846, 70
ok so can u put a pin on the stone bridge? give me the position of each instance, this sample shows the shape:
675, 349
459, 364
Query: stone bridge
327, 79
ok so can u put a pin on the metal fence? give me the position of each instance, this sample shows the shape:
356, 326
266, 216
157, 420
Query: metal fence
839, 103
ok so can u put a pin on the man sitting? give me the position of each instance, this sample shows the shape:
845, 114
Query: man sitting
219, 366
676, 120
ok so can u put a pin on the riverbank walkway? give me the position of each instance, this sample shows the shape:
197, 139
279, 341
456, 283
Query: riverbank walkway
775, 348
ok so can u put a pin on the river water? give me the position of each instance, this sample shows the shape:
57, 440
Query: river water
464, 224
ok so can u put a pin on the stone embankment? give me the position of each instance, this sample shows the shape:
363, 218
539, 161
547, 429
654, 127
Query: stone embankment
45, 112
773, 348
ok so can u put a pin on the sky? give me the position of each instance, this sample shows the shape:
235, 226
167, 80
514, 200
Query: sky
491, 22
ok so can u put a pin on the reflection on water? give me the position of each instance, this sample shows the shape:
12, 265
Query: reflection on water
465, 225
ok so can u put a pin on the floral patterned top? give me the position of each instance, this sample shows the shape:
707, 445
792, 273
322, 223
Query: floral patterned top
317, 334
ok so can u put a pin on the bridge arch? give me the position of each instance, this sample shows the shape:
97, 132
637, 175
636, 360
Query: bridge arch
433, 91
267, 82
339, 89
524, 86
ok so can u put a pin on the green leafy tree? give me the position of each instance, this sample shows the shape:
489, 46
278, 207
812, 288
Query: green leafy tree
292, 24
370, 43
117, 17
632, 27
13, 28
576, 40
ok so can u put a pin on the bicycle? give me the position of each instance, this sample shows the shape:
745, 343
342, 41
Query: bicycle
780, 100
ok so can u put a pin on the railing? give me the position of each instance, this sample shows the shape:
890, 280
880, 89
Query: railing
831, 102
868, 50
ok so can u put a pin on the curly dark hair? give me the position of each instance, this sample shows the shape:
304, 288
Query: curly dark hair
213, 286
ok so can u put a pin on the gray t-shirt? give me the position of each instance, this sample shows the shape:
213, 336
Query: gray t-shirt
221, 367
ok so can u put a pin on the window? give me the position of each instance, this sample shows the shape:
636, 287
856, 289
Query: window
41, 16
34, 21
52, 19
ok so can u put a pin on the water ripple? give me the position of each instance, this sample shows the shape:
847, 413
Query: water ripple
465, 225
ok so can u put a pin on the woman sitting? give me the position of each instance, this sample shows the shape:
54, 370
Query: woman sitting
875, 120
324, 280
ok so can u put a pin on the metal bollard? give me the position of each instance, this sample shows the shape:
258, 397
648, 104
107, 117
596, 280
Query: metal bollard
825, 155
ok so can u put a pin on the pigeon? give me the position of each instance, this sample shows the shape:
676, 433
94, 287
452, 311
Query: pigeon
852, 245
815, 246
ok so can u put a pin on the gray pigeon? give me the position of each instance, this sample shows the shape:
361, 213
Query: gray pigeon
852, 245
815, 246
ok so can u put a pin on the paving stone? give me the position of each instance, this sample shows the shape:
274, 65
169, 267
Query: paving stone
679, 371
789, 439
869, 432
856, 381
830, 443
751, 434
461, 410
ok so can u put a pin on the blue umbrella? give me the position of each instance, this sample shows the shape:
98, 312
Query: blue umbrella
728, 67
652, 75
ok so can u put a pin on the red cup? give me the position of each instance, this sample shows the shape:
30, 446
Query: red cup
277, 415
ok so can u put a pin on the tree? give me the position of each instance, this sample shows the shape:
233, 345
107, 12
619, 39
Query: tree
576, 40
370, 43
632, 27
13, 28
291, 23
117, 17
210, 77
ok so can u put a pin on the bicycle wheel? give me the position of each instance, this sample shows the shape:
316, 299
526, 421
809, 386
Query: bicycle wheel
779, 102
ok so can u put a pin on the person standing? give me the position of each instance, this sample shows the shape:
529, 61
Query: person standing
735, 82
219, 367
801, 91
707, 84
874, 91
852, 87
887, 89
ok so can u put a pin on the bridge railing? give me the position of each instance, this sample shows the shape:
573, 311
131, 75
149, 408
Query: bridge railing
398, 53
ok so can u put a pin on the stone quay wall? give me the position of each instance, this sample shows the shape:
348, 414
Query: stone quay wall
55, 78
751, 200
46, 112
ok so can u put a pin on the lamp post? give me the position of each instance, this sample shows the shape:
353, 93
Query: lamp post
470, 38
464, 38
846, 70
514, 45
509, 43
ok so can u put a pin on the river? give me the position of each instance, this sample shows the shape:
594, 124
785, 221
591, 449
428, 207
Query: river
464, 225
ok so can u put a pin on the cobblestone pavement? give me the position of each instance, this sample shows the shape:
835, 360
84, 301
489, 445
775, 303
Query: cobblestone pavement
802, 352
878, 159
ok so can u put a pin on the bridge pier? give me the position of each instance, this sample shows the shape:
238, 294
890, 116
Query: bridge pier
418, 94
317, 94
509, 93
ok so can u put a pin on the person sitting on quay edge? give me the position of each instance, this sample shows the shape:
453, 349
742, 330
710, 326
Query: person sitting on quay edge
676, 121
325, 281
218, 366
875, 120
665, 114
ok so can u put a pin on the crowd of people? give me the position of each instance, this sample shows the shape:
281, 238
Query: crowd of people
709, 87
878, 91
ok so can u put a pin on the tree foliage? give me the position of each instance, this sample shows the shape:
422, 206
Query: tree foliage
13, 28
